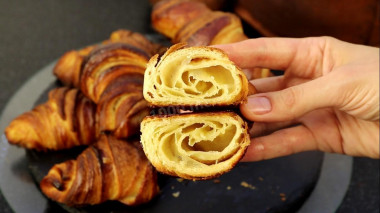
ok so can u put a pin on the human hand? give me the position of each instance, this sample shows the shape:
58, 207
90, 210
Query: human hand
327, 99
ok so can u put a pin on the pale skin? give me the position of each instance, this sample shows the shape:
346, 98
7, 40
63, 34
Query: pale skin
327, 99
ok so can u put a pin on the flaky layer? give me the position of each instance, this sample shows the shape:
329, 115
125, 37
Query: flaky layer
110, 169
194, 76
195, 146
66, 120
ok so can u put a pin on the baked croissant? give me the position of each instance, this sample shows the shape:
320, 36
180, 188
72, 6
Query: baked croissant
110, 169
113, 68
122, 115
194, 76
192, 22
69, 66
112, 75
66, 120
195, 146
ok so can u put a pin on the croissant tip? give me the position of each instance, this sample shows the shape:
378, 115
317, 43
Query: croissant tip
22, 134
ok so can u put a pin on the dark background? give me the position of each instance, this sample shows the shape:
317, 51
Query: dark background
34, 33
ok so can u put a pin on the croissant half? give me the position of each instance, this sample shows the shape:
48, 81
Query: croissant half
195, 146
110, 169
66, 120
194, 76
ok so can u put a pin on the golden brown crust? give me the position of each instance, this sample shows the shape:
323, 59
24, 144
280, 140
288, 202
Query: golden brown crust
69, 66
105, 73
135, 39
205, 27
110, 63
183, 12
212, 4
110, 169
122, 114
66, 120
194, 23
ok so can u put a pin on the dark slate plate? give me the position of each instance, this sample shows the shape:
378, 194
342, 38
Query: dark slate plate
278, 185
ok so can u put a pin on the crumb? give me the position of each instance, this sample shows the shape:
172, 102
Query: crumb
176, 194
247, 185
172, 187
283, 197
105, 160
182, 111
180, 179
261, 179
228, 187
216, 181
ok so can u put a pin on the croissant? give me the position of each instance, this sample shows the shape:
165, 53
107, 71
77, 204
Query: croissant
66, 120
68, 67
195, 146
212, 4
122, 115
192, 22
110, 169
194, 76
112, 76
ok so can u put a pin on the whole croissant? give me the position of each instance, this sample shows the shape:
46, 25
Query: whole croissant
110, 169
112, 76
192, 22
66, 120
69, 66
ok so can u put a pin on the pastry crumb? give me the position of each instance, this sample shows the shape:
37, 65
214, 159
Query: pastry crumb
228, 187
106, 160
261, 179
172, 187
283, 197
247, 185
176, 194
180, 179
216, 181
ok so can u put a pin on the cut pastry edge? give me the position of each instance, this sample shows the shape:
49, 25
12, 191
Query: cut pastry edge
191, 76
170, 155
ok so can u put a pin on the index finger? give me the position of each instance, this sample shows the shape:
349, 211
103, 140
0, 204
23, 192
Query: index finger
272, 53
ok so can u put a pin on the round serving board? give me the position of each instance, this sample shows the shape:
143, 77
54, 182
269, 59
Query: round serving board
277, 185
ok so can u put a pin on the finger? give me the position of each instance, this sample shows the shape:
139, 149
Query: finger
281, 143
260, 128
268, 84
272, 53
275, 83
293, 102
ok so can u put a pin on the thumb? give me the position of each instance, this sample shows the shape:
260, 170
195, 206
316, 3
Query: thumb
293, 102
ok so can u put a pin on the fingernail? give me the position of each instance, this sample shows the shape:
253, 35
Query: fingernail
259, 105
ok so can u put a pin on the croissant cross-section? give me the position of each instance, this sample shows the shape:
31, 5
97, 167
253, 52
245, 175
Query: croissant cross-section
195, 146
194, 76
